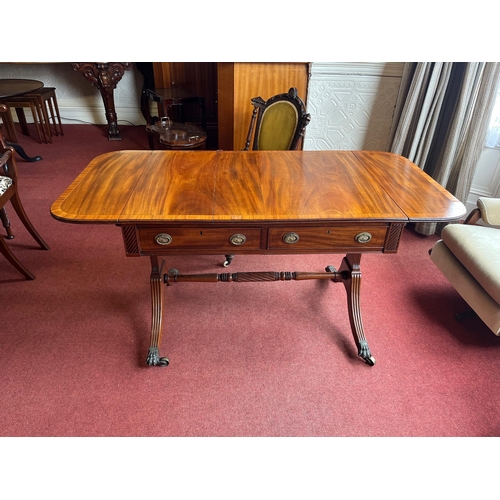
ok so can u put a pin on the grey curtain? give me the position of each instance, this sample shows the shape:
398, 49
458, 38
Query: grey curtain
442, 122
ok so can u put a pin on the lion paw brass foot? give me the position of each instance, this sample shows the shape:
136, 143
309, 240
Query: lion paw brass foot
154, 359
364, 352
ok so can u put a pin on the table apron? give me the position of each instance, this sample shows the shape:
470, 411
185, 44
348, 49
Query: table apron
288, 238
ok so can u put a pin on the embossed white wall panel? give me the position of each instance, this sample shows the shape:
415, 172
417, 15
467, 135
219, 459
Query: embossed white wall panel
351, 105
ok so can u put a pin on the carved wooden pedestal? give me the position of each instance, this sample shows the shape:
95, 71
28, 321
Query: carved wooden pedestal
105, 76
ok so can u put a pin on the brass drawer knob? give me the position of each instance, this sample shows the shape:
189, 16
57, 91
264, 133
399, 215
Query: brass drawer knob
163, 239
363, 237
238, 239
291, 238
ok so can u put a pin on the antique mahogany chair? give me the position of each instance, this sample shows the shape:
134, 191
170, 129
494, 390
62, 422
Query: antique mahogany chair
277, 124
8, 191
468, 255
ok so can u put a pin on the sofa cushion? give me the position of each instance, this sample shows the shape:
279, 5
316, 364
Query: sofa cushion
5, 183
478, 249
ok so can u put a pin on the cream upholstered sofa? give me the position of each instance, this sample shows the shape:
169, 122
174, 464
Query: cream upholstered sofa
469, 257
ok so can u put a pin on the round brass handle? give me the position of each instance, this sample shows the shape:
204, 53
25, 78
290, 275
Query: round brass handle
363, 237
238, 239
291, 238
163, 239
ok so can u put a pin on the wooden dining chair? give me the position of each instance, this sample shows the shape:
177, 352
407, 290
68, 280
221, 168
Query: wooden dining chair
8, 191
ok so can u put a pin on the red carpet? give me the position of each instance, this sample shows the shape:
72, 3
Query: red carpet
246, 359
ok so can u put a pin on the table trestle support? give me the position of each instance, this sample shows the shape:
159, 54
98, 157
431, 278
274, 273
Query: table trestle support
349, 274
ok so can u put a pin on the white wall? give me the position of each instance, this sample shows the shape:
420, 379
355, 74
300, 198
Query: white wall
486, 182
77, 98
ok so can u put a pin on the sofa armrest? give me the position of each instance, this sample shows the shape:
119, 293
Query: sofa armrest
490, 210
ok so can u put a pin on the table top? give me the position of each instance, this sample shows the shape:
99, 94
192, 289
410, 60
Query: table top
253, 186
10, 87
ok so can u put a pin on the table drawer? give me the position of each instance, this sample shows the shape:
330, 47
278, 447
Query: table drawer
172, 239
325, 238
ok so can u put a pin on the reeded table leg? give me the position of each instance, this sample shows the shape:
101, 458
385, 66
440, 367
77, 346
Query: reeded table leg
350, 273
156, 281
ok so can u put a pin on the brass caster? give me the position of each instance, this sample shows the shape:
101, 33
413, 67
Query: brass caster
229, 259
163, 362
370, 360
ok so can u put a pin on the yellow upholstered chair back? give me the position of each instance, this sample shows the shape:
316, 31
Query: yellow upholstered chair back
277, 126
279, 122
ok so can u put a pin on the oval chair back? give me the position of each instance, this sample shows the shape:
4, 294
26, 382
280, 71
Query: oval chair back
279, 122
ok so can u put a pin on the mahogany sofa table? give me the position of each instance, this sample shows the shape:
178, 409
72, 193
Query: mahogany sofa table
256, 202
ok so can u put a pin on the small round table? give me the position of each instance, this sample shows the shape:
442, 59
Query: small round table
11, 87
179, 135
